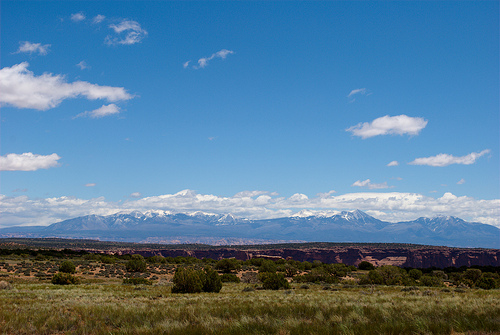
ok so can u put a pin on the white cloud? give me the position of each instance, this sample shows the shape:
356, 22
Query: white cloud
391, 206
132, 33
361, 91
389, 125
461, 181
90, 185
103, 111
393, 163
186, 64
83, 65
368, 184
98, 19
27, 162
445, 159
77, 17
28, 47
135, 195
22, 89
203, 62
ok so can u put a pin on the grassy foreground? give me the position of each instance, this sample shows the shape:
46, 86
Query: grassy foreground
41, 308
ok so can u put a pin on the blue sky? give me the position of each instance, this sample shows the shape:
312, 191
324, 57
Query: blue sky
261, 109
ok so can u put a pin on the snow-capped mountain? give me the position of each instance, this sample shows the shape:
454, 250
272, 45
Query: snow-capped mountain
345, 226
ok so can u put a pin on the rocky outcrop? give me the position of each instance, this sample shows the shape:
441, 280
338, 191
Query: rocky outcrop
415, 257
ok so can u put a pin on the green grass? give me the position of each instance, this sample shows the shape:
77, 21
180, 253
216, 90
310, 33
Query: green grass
40, 308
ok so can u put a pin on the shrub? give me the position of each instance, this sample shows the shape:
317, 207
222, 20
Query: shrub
228, 265
230, 278
487, 283
317, 275
187, 281
212, 281
4, 285
415, 274
290, 270
250, 277
67, 267
364, 265
106, 259
137, 281
472, 275
268, 266
156, 259
136, 265
63, 278
274, 281
427, 280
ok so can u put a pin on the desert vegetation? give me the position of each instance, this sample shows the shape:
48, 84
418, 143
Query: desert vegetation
63, 291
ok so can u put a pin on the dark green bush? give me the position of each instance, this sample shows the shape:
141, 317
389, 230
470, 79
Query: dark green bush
364, 265
274, 281
487, 283
212, 281
427, 280
415, 274
187, 281
137, 281
136, 265
228, 265
472, 275
268, 266
67, 267
63, 278
230, 278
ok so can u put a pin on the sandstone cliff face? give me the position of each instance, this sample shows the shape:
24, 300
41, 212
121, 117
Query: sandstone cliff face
424, 257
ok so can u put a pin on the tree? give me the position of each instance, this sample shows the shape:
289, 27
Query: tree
487, 283
212, 282
274, 281
268, 266
187, 281
228, 265
136, 265
415, 274
67, 267
364, 265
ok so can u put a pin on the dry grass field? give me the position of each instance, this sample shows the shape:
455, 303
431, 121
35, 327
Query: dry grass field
102, 304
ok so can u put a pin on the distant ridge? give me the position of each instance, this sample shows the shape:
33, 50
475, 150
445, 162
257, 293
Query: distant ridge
222, 229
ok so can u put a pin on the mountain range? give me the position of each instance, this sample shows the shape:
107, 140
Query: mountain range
225, 229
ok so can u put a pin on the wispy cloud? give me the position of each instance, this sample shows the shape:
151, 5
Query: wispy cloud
83, 65
90, 185
461, 181
22, 89
103, 111
361, 91
29, 47
442, 160
27, 162
127, 32
389, 125
98, 19
203, 62
78, 17
135, 195
390, 206
369, 185
393, 163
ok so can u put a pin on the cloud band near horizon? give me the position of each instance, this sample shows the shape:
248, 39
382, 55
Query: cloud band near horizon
390, 206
